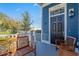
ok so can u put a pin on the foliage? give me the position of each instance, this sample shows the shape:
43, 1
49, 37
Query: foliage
11, 26
38, 31
7, 24
26, 21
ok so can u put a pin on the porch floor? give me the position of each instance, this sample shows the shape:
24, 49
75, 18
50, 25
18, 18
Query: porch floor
43, 49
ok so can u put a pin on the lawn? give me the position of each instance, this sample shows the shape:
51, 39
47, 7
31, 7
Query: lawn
6, 32
3, 38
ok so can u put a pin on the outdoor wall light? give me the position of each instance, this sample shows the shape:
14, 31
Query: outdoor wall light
71, 12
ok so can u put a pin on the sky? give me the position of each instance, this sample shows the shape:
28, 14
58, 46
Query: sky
15, 11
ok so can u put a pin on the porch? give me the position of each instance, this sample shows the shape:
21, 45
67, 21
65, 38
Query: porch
43, 49
24, 47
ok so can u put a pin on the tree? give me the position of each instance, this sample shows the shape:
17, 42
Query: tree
26, 21
7, 23
3, 22
11, 25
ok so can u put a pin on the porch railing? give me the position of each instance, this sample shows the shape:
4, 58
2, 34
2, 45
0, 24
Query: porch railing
16, 43
8, 46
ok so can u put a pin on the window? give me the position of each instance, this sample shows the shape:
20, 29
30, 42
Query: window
62, 10
53, 19
57, 11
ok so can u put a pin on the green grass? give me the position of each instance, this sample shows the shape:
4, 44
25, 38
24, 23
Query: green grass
3, 38
5, 32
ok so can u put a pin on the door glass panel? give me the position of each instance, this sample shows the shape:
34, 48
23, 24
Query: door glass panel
54, 27
60, 27
54, 19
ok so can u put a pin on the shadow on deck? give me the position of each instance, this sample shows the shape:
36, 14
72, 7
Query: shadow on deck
43, 49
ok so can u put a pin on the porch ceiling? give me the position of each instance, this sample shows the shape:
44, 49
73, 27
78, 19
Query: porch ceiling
43, 4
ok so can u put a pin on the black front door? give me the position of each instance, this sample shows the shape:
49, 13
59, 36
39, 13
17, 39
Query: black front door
57, 29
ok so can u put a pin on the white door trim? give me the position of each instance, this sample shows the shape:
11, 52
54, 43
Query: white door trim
65, 21
41, 24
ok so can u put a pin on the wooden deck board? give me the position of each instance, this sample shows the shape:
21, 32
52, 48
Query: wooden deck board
63, 52
24, 51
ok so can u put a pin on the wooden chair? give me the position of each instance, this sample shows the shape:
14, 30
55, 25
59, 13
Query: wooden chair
63, 52
23, 47
59, 38
68, 47
69, 44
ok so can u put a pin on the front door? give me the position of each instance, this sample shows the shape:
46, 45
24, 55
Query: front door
57, 29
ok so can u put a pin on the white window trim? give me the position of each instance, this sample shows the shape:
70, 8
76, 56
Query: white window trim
56, 15
44, 41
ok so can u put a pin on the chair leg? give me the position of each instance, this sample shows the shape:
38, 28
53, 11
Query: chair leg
35, 53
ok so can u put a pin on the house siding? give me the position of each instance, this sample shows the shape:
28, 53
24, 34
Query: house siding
45, 21
78, 26
72, 22
45, 24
